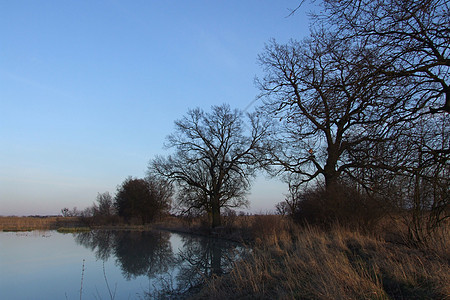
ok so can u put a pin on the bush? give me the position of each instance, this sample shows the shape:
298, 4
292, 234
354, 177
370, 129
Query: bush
341, 204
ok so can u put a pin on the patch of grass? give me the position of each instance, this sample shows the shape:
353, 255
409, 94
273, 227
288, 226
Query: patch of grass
18, 230
73, 229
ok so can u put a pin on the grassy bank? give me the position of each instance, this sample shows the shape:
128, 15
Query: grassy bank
73, 229
289, 262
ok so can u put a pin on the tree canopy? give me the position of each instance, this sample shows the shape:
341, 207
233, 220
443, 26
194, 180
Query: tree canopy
142, 200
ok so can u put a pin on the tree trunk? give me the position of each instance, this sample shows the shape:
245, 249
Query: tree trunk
216, 259
329, 170
215, 210
330, 179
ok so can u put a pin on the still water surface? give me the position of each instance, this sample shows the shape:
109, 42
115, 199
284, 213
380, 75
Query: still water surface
108, 264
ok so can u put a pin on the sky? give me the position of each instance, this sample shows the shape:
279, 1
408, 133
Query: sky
89, 90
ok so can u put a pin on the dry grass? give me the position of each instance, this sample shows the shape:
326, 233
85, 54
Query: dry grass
288, 262
36, 223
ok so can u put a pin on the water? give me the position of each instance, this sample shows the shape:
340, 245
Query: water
105, 264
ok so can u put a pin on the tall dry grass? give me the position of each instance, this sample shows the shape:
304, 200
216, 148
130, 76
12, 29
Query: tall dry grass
36, 223
289, 262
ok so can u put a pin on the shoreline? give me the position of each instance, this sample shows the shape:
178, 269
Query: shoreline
75, 224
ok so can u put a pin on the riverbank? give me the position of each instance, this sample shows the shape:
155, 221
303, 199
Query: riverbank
291, 262
288, 261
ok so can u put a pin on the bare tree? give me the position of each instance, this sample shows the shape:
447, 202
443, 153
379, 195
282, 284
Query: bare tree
413, 38
215, 158
71, 213
424, 176
399, 50
104, 205
328, 102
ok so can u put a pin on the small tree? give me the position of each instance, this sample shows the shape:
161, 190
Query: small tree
71, 213
142, 199
65, 212
215, 158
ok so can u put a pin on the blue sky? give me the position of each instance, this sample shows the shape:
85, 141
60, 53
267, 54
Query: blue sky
90, 89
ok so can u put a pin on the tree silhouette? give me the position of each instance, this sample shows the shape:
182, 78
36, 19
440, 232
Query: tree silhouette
142, 199
214, 159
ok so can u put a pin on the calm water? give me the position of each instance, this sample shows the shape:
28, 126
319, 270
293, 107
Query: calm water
107, 264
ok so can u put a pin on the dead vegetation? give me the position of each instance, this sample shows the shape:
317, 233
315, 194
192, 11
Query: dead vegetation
37, 223
291, 262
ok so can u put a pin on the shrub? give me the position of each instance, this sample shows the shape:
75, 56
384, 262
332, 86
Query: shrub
341, 204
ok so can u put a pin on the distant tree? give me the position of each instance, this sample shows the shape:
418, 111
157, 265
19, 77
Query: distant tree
87, 212
215, 158
65, 212
70, 213
282, 208
142, 199
104, 205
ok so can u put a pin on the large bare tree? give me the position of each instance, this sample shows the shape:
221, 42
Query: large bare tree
328, 102
406, 45
214, 160
413, 38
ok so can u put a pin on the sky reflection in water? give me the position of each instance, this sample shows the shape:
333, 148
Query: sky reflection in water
137, 265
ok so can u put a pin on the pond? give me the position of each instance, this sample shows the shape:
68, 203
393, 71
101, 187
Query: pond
104, 264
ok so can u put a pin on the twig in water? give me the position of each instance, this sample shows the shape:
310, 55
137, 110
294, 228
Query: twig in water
111, 295
82, 275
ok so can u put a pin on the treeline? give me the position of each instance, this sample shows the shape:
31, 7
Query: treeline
137, 201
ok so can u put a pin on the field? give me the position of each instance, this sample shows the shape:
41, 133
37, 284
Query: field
37, 223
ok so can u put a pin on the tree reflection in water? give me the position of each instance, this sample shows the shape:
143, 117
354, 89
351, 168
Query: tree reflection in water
202, 258
150, 253
137, 252
101, 242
